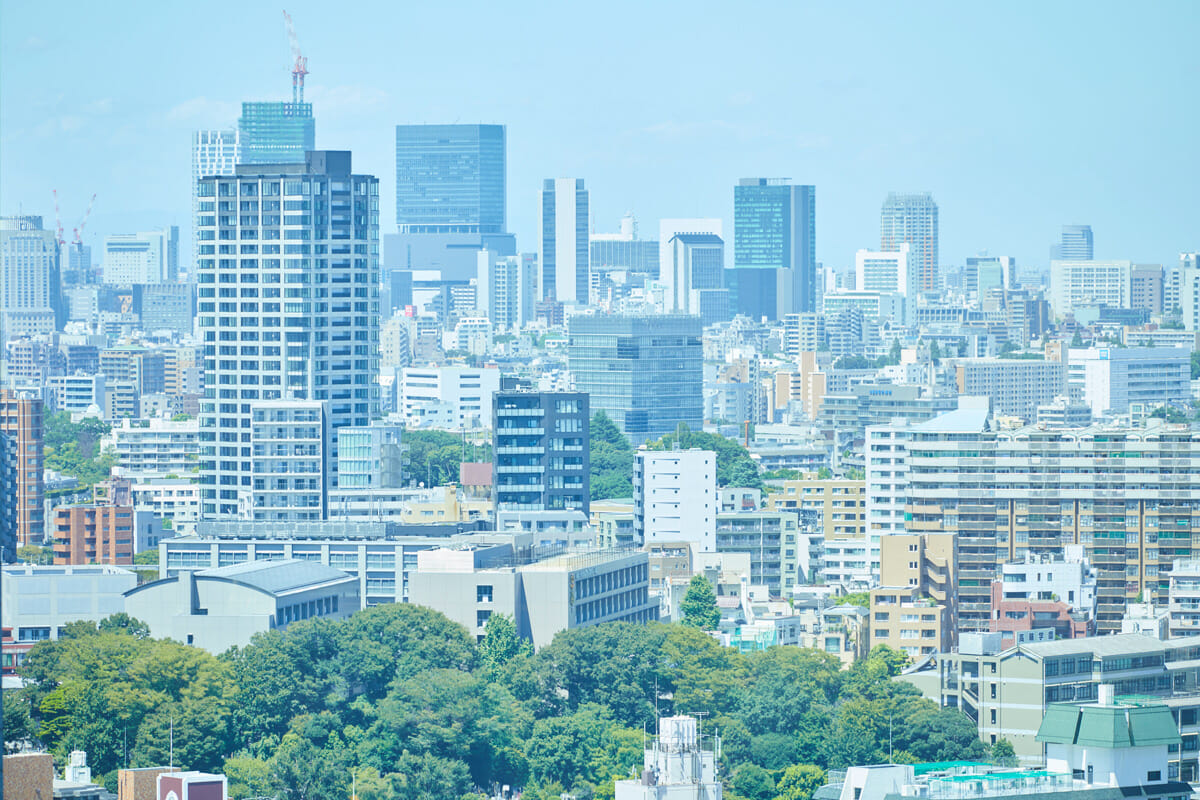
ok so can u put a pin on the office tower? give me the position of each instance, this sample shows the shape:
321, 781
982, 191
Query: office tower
646, 373
1109, 379
775, 227
298, 243
275, 133
21, 419
696, 264
506, 289
30, 289
624, 250
1074, 244
214, 152
1075, 283
450, 198
563, 240
79, 265
889, 272
913, 218
675, 498
540, 447
1146, 287
983, 273
668, 229
142, 258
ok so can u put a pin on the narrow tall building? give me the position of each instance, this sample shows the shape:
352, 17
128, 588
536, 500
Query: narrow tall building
288, 277
563, 241
775, 227
21, 419
913, 219
214, 152
30, 285
646, 373
276, 132
540, 446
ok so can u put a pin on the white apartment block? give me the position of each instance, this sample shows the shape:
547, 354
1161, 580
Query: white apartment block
1089, 283
1184, 598
288, 306
451, 398
75, 393
146, 257
1016, 386
877, 307
506, 289
472, 335
1109, 379
802, 333
886, 468
675, 498
891, 272
174, 499
214, 152
395, 348
155, 448
291, 464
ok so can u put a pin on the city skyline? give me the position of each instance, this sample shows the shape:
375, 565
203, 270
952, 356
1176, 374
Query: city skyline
1000, 150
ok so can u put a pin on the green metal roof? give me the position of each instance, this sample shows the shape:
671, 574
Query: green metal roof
1108, 726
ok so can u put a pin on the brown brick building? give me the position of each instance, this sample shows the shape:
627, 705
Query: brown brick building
21, 420
94, 534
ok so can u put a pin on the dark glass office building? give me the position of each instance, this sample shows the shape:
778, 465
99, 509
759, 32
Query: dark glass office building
276, 133
646, 373
775, 228
540, 451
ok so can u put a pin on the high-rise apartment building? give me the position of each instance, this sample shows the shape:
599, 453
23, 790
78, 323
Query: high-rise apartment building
148, 257
563, 241
912, 218
214, 152
275, 133
451, 184
675, 498
1016, 387
21, 419
506, 289
288, 283
540, 451
646, 373
914, 609
30, 285
775, 228
1074, 244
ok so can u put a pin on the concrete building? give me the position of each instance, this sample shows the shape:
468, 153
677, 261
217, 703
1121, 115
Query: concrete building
77, 393
155, 448
645, 372
290, 460
371, 457
1045, 592
507, 289
1016, 387
697, 263
451, 398
30, 285
890, 272
281, 340
563, 250
544, 590
912, 219
540, 451
147, 257
876, 307
674, 285
36, 602
675, 498
216, 609
1083, 283
775, 228
839, 504
214, 152
1075, 243
1110, 379
915, 608
1062, 413
1183, 598
773, 542
679, 764
94, 534
21, 422
803, 333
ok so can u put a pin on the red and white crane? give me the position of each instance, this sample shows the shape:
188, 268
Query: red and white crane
300, 66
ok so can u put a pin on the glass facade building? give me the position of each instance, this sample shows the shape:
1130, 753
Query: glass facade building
450, 178
775, 227
645, 372
276, 133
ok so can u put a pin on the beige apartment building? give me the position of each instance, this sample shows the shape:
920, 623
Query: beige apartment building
914, 610
840, 503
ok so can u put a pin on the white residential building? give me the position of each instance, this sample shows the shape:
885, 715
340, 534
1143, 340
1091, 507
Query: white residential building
147, 257
155, 448
1109, 379
448, 397
876, 307
214, 152
292, 467
1071, 579
891, 272
506, 289
174, 499
675, 497
1184, 598
1089, 283
886, 468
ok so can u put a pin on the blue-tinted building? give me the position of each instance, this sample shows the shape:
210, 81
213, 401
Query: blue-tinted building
1074, 244
775, 228
646, 373
450, 198
276, 133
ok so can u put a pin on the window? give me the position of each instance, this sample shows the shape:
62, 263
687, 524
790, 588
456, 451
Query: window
1154, 776
992, 716
483, 594
481, 618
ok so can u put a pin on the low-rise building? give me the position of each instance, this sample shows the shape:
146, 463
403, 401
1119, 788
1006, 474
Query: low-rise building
37, 601
915, 610
1184, 598
1045, 592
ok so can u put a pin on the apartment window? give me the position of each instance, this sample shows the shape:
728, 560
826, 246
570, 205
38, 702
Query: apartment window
481, 618
1154, 776
993, 692
483, 594
992, 716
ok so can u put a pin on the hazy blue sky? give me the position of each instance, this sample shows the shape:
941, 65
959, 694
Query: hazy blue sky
1019, 117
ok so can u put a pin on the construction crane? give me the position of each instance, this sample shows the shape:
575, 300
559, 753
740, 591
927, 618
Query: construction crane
79, 231
300, 67
58, 220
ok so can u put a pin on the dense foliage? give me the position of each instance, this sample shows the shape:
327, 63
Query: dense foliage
409, 704
611, 459
734, 465
73, 448
433, 457
699, 605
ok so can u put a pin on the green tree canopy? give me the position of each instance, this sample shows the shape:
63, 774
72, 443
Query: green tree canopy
699, 605
735, 467
610, 459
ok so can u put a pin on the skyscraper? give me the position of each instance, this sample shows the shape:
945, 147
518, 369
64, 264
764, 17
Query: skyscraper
1074, 244
697, 264
30, 286
775, 227
214, 152
563, 240
646, 373
299, 244
451, 184
21, 418
276, 132
913, 218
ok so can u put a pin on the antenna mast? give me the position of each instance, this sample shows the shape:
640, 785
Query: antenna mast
300, 66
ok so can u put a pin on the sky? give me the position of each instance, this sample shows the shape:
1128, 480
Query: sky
1019, 117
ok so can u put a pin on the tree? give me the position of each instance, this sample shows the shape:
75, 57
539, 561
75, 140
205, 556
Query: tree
735, 467
33, 554
1077, 339
824, 474
146, 557
935, 351
852, 362
800, 782
861, 599
753, 782
501, 643
434, 457
610, 459
1001, 753
699, 605
1195, 365
123, 623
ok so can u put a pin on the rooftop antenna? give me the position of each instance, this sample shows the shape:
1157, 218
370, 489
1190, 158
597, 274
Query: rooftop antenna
300, 66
